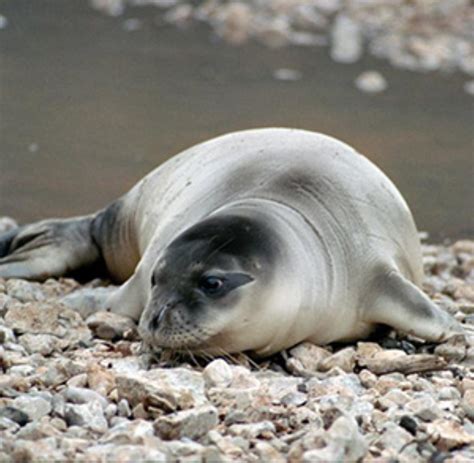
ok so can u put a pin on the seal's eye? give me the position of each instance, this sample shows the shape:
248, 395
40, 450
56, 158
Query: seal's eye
211, 284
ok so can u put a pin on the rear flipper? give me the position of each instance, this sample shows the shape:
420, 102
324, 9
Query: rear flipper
50, 248
403, 306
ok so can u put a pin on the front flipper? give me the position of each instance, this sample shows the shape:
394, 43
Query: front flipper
49, 248
400, 304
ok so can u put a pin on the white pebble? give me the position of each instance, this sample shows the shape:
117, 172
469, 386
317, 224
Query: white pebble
289, 75
371, 82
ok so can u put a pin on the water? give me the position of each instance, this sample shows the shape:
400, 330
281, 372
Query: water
87, 108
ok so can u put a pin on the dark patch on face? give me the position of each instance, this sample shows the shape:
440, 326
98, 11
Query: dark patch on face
207, 263
245, 238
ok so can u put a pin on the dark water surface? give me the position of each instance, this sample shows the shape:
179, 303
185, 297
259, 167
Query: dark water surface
87, 108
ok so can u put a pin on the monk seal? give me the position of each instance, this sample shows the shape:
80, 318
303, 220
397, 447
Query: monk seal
255, 241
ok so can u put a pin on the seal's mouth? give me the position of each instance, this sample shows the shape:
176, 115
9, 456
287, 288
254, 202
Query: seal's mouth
168, 329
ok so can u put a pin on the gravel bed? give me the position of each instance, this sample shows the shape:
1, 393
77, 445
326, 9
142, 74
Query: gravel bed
84, 390
420, 35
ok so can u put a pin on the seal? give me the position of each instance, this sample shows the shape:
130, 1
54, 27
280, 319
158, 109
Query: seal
252, 241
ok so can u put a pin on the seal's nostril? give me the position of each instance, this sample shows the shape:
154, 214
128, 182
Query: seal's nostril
158, 318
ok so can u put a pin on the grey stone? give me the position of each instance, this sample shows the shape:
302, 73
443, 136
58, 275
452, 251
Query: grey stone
89, 415
21, 370
14, 414
6, 334
449, 393
35, 407
7, 424
5, 303
306, 357
47, 318
123, 453
80, 395
344, 434
37, 430
44, 344
35, 450
163, 389
218, 373
295, 399
424, 407
344, 359
110, 411
124, 408
129, 432
393, 437
24, 291
253, 430
191, 424
111, 326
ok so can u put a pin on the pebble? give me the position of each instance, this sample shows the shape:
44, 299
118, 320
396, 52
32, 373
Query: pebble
5, 303
44, 344
33, 406
123, 408
89, 416
6, 223
129, 432
425, 408
289, 75
13, 414
448, 434
24, 291
306, 358
190, 424
218, 373
344, 359
467, 403
111, 326
346, 40
122, 453
253, 430
167, 390
80, 395
6, 335
371, 82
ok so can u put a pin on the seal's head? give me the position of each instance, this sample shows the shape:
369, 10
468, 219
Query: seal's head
206, 288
